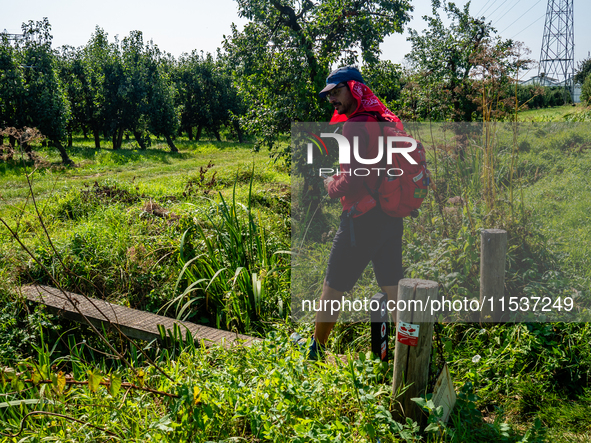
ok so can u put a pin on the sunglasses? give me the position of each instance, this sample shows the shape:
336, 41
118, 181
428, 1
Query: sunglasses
333, 92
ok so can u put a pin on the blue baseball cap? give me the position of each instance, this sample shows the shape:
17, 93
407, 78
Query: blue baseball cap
341, 75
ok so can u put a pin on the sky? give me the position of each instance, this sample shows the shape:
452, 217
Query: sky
180, 26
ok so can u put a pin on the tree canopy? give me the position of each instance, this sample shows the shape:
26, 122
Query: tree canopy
447, 59
583, 70
32, 94
284, 54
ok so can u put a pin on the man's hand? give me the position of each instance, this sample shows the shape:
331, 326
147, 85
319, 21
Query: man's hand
327, 182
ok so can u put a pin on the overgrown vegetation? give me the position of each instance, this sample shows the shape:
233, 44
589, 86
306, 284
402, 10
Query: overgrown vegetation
132, 239
204, 234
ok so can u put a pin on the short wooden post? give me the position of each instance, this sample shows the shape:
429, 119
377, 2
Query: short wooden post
493, 253
414, 334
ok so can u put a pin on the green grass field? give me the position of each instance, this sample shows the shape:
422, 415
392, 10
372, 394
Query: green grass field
549, 114
125, 223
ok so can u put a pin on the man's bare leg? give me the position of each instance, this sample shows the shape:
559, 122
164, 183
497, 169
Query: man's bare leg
324, 320
392, 292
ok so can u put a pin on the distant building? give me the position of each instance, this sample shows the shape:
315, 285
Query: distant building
541, 81
547, 81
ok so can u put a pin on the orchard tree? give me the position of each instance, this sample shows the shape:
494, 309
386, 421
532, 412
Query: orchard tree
284, 54
133, 91
443, 58
70, 69
44, 104
206, 95
12, 86
230, 98
99, 61
455, 64
282, 58
195, 100
162, 115
385, 79
144, 96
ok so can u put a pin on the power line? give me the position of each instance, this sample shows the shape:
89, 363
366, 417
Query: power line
498, 9
478, 13
531, 24
483, 12
507, 11
520, 16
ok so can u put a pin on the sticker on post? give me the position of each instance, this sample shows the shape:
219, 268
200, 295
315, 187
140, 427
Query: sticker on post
407, 334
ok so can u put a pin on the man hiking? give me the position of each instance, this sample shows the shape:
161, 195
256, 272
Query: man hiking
365, 233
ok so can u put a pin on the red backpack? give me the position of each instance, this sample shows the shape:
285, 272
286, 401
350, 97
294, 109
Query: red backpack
399, 196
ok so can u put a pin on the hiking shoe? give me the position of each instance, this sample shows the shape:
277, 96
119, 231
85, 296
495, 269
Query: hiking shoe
314, 351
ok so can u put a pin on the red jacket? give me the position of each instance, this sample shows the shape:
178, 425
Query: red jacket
350, 188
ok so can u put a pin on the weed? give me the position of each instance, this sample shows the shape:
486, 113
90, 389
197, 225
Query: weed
240, 277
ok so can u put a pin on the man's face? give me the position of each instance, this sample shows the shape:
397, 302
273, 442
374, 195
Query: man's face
342, 99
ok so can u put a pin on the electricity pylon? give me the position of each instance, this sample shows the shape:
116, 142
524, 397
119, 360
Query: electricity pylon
557, 59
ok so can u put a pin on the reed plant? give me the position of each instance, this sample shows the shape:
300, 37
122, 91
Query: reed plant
234, 272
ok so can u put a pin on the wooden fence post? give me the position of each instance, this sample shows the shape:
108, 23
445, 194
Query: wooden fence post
493, 253
414, 334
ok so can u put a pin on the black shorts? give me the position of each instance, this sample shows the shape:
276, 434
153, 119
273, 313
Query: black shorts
378, 238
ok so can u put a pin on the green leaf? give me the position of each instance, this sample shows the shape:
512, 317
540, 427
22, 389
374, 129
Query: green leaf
94, 380
115, 384
432, 427
420, 401
448, 346
58, 382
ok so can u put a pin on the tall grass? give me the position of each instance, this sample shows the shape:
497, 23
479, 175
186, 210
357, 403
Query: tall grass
267, 392
233, 270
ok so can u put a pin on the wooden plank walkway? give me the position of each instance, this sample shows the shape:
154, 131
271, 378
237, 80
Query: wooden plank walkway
132, 322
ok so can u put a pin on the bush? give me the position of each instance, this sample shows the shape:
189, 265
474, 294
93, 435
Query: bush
550, 96
586, 91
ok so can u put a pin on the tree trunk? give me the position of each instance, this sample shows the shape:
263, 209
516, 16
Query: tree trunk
238, 130
139, 137
117, 138
171, 144
70, 141
85, 133
216, 132
190, 133
97, 138
65, 159
199, 130
120, 138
